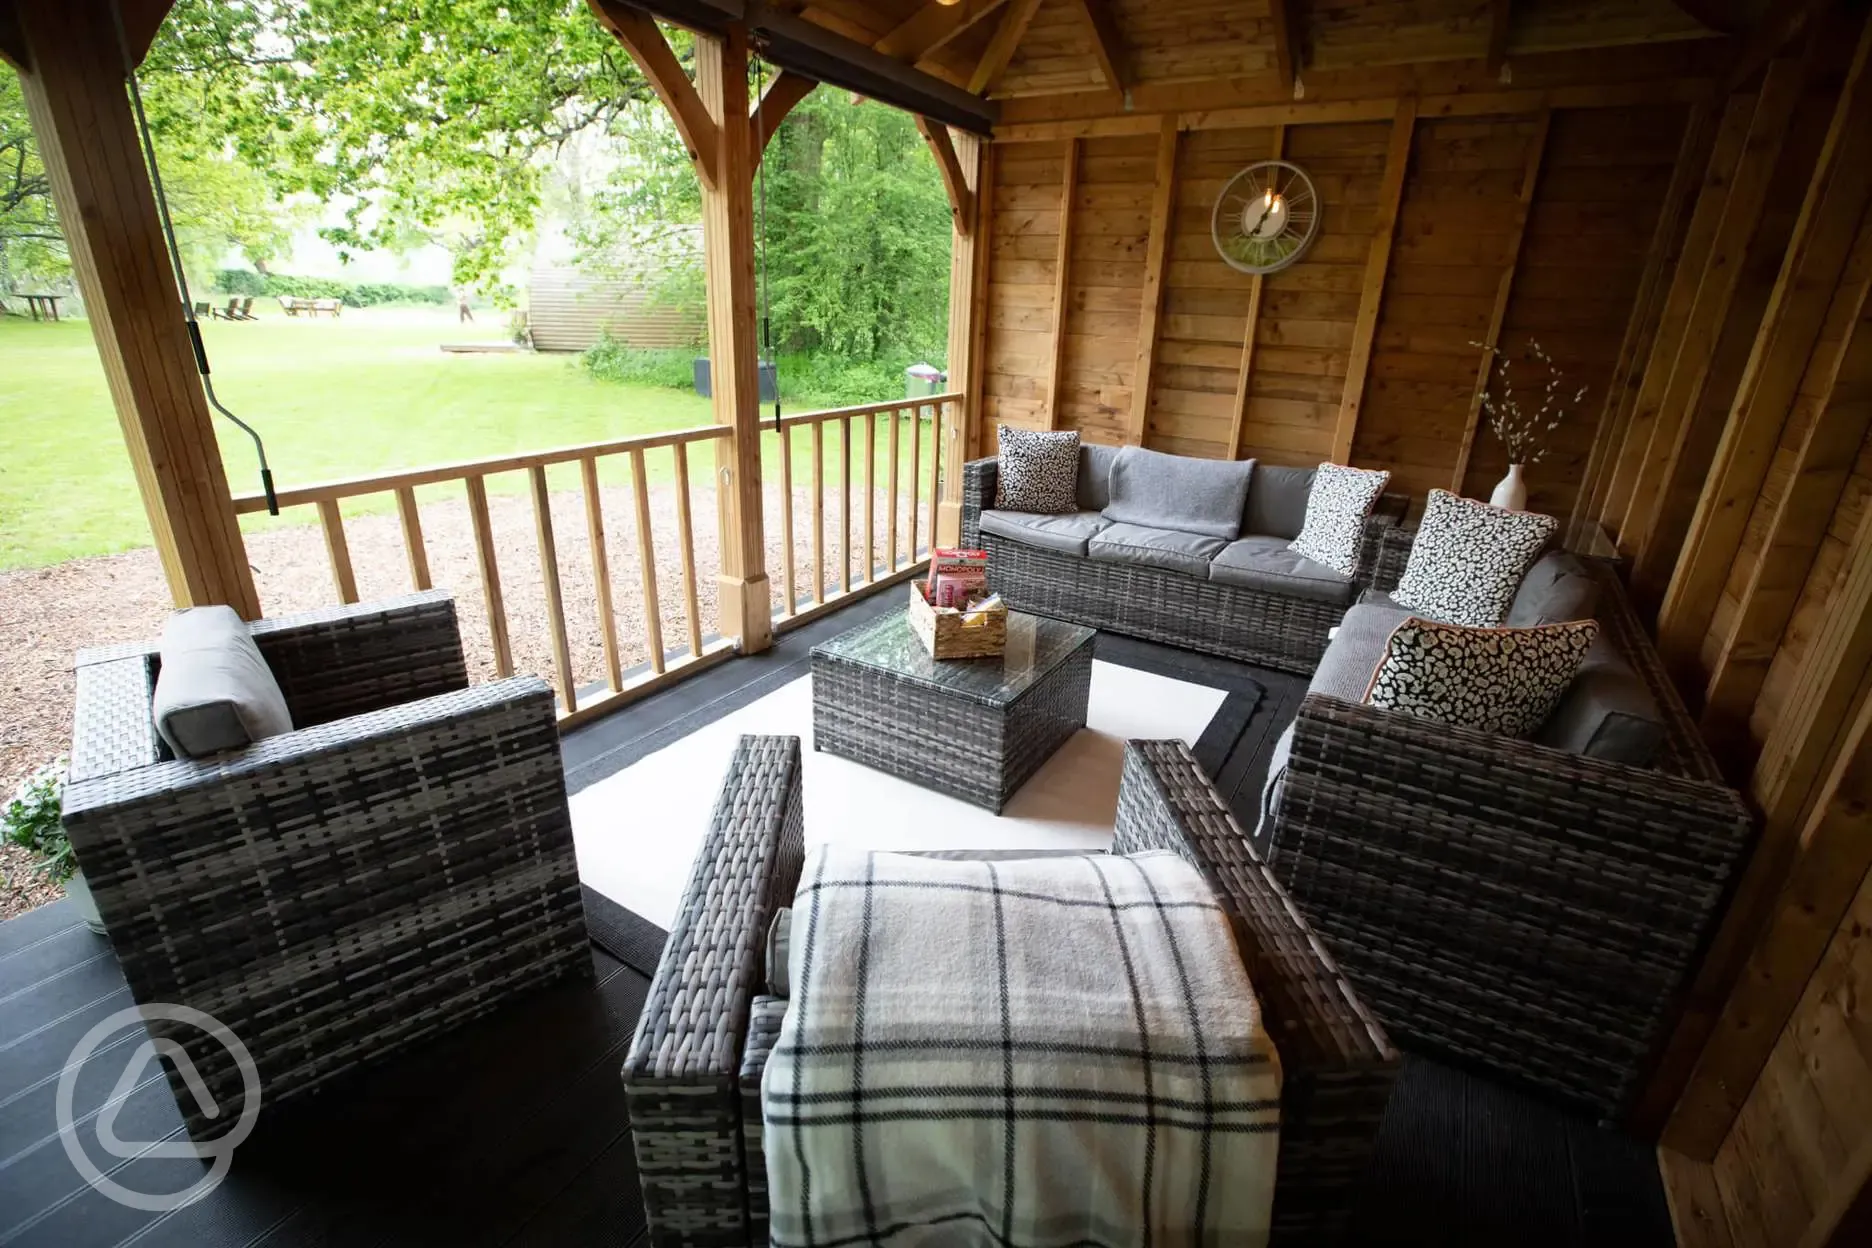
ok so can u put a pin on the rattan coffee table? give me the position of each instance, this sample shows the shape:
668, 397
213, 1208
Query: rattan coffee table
976, 729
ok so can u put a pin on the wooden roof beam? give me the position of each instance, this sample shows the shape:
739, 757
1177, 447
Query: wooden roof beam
638, 32
1007, 37
1499, 14
1779, 26
955, 181
1107, 43
933, 26
786, 90
1286, 57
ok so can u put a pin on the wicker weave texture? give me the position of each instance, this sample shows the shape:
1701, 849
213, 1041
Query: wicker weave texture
1272, 630
941, 740
337, 894
1337, 1064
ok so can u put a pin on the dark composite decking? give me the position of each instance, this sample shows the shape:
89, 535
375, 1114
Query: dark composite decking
513, 1130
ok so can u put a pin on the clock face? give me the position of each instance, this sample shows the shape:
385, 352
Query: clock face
1265, 218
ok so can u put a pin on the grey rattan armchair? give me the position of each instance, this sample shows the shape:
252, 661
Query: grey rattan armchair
694, 1070
398, 864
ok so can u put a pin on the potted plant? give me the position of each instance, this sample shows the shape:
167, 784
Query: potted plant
1523, 432
31, 821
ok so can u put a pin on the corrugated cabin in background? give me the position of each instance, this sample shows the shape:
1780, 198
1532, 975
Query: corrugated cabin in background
570, 310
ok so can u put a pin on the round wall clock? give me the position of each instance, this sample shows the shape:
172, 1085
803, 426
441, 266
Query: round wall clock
1265, 218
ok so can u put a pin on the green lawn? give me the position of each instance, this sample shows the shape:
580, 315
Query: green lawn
369, 392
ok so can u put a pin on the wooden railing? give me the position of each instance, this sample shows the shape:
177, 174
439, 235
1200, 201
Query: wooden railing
906, 461
910, 432
619, 685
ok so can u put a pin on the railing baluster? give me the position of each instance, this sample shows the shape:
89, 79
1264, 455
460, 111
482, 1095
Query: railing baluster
549, 576
646, 555
786, 517
870, 489
845, 484
490, 574
936, 460
338, 550
413, 537
916, 443
890, 522
818, 511
686, 537
601, 571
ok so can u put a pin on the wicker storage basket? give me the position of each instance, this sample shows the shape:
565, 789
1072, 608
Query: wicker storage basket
944, 635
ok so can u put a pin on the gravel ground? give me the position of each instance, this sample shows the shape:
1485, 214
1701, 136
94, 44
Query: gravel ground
47, 614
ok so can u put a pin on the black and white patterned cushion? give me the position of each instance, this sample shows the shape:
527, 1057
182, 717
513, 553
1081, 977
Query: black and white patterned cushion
1502, 680
1039, 471
1468, 559
1337, 505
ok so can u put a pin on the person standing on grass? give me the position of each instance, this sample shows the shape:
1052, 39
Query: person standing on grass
463, 314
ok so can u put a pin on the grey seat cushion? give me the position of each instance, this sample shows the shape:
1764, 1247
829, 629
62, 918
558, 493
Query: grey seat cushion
214, 691
1174, 549
1206, 496
1267, 564
1095, 465
1556, 590
1277, 500
1606, 713
1066, 533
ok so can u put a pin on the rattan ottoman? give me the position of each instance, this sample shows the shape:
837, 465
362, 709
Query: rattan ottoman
976, 729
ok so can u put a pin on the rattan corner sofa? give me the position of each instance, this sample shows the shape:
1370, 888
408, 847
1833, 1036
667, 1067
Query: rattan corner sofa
398, 864
694, 1069
1266, 607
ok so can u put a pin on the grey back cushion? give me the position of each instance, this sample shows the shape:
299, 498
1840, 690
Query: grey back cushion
1606, 713
1095, 465
1190, 495
1277, 500
214, 691
1556, 590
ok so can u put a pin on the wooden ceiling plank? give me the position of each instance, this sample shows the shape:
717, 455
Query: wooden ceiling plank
1817, 254
785, 91
1108, 44
1007, 37
639, 34
955, 180
933, 26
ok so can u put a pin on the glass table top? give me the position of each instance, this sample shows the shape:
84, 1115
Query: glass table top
1035, 647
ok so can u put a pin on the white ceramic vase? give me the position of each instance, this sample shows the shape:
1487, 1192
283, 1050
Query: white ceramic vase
1511, 490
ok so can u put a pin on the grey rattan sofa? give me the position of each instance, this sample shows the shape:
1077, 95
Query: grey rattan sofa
1528, 908
1273, 609
400, 863
693, 1074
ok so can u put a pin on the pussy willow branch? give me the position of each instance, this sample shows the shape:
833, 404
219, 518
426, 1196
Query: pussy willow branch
1523, 433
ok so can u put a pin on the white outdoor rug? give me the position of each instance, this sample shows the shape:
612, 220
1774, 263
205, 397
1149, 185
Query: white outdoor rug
638, 830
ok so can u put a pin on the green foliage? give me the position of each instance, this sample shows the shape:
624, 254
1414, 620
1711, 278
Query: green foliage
613, 361
31, 247
354, 294
31, 821
807, 378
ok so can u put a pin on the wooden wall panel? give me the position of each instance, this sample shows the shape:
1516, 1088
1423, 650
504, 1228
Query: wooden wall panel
1022, 265
1105, 281
1602, 186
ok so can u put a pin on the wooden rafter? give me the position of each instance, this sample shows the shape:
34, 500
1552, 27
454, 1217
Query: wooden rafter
1498, 36
1251, 332
1779, 26
782, 94
1107, 43
1007, 37
1062, 287
1377, 263
1286, 62
638, 32
955, 181
1156, 255
933, 26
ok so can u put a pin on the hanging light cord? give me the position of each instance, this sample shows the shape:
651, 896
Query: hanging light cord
175, 261
760, 154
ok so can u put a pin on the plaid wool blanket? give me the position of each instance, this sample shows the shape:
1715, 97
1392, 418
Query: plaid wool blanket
1031, 1054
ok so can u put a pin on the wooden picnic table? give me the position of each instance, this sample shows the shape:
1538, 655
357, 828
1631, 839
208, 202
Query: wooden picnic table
48, 304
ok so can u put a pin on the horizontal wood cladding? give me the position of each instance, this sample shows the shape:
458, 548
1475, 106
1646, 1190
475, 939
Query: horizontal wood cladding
1580, 256
570, 311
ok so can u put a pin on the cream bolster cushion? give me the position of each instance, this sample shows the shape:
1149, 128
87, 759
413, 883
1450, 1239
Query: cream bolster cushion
214, 691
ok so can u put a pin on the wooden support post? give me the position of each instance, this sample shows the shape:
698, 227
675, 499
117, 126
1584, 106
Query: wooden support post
337, 550
1621, 475
1672, 424
646, 563
974, 385
746, 606
1251, 330
1156, 257
685, 546
87, 139
968, 286
1504, 290
1811, 282
1378, 262
956, 182
1062, 291
1286, 58
418, 553
601, 571
489, 563
549, 577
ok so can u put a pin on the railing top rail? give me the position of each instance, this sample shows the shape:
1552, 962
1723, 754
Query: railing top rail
351, 487
867, 409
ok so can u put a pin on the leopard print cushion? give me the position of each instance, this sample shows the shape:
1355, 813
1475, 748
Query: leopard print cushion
1039, 471
1468, 559
1337, 505
1501, 680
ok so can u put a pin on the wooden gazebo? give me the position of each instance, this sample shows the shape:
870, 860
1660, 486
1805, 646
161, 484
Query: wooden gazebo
1670, 196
